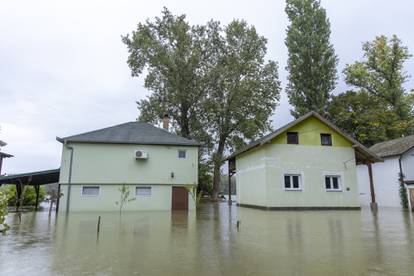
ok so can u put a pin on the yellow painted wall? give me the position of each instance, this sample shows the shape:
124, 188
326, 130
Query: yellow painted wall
310, 134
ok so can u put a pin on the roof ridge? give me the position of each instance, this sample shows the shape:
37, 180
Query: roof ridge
96, 130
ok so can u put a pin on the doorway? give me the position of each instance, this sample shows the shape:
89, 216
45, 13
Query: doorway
179, 199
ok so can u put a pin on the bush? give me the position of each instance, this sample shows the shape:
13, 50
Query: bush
29, 195
3, 209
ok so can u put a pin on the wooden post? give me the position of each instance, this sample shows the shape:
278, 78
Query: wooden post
374, 205
99, 225
229, 188
19, 190
1, 165
37, 190
58, 199
231, 169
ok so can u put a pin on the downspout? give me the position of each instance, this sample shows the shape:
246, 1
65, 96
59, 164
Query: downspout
69, 177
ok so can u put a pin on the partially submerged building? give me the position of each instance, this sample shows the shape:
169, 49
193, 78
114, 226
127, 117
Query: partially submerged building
158, 167
396, 172
306, 164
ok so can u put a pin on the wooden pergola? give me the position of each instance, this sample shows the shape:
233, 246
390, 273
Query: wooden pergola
35, 179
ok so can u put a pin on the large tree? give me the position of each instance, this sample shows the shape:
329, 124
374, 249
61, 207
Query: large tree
380, 74
311, 61
172, 55
360, 115
244, 90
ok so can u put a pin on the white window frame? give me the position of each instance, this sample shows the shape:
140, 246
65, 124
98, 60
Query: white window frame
340, 186
143, 187
291, 182
91, 186
185, 154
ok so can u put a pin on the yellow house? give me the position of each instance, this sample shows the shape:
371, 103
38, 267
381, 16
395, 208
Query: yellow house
306, 164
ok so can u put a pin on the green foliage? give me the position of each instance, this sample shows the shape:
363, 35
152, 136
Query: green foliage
361, 115
403, 197
403, 192
174, 56
195, 194
125, 193
29, 195
312, 61
380, 74
4, 198
213, 80
244, 90
205, 178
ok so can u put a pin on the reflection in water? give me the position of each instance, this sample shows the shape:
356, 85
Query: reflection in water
207, 242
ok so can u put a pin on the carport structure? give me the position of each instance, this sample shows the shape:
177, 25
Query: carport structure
34, 179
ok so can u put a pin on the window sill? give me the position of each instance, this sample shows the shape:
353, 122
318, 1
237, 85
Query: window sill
294, 190
334, 191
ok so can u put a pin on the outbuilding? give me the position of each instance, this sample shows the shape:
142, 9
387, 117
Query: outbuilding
393, 175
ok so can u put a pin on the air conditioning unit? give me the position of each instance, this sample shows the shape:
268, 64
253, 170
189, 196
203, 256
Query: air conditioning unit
139, 154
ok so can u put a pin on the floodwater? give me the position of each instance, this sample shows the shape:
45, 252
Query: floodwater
207, 242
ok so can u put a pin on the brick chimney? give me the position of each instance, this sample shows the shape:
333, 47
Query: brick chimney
166, 122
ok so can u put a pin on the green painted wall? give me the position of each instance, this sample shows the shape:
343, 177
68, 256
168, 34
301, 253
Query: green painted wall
260, 172
115, 163
110, 165
160, 199
251, 178
309, 134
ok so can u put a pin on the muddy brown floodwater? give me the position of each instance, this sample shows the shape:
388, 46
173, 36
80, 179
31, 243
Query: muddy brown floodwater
207, 242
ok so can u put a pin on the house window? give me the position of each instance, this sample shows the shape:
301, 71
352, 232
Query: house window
90, 190
333, 183
326, 139
293, 182
181, 154
143, 191
292, 138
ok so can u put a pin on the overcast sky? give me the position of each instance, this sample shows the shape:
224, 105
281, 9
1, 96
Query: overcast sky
63, 66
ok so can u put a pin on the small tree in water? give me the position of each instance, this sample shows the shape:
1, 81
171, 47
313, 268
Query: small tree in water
125, 196
4, 196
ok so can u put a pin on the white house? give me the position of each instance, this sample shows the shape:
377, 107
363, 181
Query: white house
158, 167
398, 155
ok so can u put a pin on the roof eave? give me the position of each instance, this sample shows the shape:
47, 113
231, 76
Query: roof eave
195, 144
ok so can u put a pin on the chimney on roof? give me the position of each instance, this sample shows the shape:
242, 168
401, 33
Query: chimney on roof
166, 122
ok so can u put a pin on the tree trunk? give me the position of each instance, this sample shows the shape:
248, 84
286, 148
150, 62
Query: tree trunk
217, 160
184, 124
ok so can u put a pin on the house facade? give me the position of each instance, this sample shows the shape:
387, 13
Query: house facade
398, 155
307, 164
158, 167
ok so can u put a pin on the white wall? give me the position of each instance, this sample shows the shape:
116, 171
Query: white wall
407, 162
386, 184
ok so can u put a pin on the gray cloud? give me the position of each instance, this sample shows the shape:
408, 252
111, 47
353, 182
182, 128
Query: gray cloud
63, 66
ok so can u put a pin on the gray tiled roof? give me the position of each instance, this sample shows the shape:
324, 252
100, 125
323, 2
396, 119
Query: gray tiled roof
131, 133
393, 147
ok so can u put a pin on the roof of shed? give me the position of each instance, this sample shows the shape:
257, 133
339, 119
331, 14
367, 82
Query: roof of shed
5, 155
32, 178
393, 147
131, 133
362, 153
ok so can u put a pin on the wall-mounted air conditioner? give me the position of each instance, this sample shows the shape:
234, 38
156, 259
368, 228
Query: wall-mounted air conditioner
139, 154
